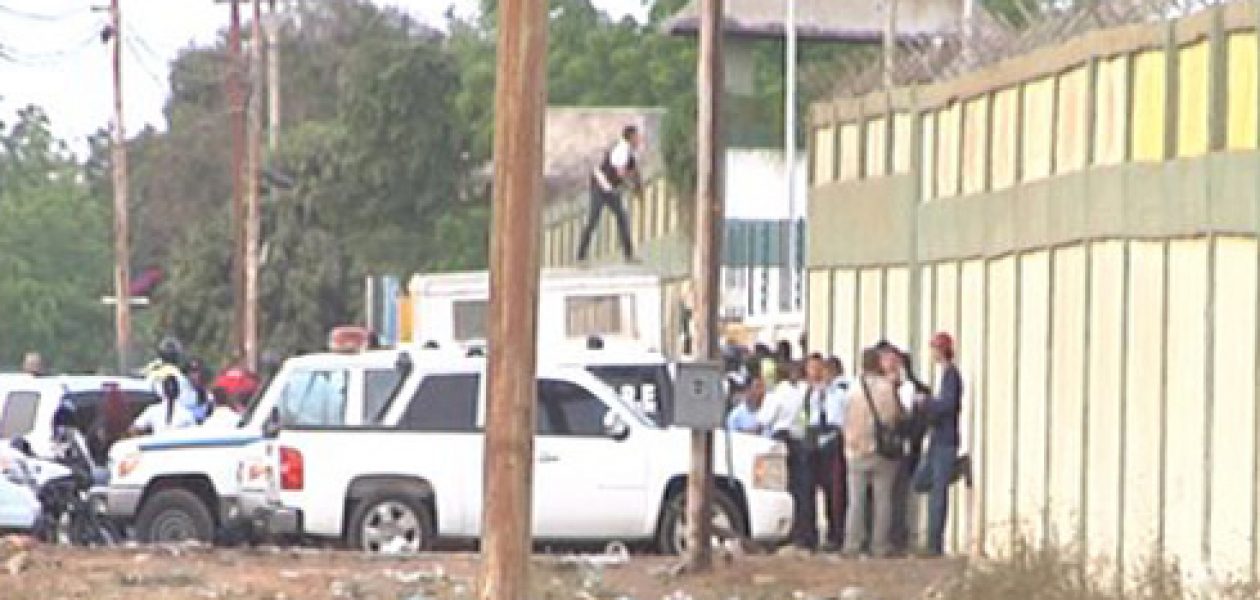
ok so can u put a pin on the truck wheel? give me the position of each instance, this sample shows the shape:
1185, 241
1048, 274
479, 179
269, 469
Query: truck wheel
174, 515
672, 538
391, 523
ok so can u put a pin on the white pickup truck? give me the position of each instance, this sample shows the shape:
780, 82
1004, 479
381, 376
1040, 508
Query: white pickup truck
602, 470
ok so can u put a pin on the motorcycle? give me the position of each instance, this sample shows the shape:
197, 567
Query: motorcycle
70, 512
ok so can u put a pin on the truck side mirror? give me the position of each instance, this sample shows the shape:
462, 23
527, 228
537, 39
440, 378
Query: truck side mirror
271, 427
615, 428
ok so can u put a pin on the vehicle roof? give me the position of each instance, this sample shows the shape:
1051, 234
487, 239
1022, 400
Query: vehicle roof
71, 383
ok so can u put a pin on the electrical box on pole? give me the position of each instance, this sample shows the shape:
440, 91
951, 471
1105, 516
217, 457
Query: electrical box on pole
699, 396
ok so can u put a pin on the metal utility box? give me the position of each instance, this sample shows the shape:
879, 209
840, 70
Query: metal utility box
699, 396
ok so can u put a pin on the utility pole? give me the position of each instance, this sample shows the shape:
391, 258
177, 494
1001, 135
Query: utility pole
890, 42
253, 216
707, 264
520, 104
273, 80
787, 278
236, 112
122, 249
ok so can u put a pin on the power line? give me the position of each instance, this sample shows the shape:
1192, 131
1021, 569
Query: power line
69, 13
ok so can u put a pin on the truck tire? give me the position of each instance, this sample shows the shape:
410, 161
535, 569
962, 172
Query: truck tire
174, 515
391, 523
671, 539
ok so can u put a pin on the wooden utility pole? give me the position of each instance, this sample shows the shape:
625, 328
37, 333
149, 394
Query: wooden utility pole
122, 247
520, 104
253, 217
236, 117
710, 150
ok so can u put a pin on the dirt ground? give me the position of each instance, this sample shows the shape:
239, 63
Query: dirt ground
47, 573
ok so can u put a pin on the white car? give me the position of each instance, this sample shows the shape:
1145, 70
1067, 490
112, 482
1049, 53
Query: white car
19, 505
28, 403
603, 471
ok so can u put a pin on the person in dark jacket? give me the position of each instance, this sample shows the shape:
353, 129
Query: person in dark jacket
942, 411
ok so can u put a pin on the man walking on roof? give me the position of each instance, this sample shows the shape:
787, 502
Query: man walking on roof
617, 170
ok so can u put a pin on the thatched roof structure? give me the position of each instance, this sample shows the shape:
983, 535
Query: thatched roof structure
827, 20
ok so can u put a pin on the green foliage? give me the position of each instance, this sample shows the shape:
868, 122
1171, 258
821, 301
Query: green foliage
54, 251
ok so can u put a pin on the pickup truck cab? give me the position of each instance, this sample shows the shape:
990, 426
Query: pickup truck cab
602, 470
182, 484
28, 403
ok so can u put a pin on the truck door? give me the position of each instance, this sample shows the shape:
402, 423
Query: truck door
587, 485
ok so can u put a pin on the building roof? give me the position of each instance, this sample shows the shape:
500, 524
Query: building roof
826, 20
577, 136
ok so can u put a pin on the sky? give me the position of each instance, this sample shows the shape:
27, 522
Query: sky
51, 54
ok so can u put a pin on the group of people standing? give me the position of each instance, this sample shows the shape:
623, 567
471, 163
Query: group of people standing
859, 442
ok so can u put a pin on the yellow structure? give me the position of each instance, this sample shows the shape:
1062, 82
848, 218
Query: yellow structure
1084, 220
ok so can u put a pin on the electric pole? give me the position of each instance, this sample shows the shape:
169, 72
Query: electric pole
710, 157
787, 278
236, 112
252, 181
520, 105
122, 250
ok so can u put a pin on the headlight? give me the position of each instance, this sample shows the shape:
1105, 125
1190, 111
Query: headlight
770, 472
128, 464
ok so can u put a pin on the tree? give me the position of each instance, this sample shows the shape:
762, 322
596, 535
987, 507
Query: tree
55, 258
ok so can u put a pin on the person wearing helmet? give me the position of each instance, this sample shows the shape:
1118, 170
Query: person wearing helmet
170, 413
170, 364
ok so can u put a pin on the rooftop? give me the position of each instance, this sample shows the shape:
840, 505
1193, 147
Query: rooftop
826, 20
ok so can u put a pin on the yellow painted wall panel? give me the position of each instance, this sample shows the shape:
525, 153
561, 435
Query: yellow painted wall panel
897, 305
850, 151
903, 134
1143, 412
1234, 406
1192, 99
1106, 314
928, 159
819, 302
845, 327
1067, 389
824, 154
927, 314
1034, 331
1149, 118
876, 147
1038, 140
1005, 139
947, 296
870, 307
1111, 111
969, 341
1072, 121
1186, 410
1243, 92
949, 125
975, 156
1000, 390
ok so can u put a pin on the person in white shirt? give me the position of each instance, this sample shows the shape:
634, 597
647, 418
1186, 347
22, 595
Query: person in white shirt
165, 415
787, 415
617, 170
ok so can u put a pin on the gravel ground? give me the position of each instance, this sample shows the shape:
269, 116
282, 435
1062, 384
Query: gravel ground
46, 573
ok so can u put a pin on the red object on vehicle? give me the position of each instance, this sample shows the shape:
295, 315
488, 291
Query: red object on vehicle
236, 382
349, 339
292, 471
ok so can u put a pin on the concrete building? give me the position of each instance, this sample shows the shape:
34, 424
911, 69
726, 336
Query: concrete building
1084, 220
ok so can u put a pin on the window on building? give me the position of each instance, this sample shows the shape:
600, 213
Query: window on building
598, 315
469, 318
444, 403
568, 409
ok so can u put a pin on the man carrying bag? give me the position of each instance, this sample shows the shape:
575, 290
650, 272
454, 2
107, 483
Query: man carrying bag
873, 446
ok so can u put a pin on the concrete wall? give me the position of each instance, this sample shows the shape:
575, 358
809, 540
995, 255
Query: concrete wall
1084, 221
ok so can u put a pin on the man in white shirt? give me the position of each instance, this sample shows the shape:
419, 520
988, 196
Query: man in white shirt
787, 415
617, 170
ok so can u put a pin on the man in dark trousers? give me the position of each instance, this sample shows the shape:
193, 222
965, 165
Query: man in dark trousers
942, 410
617, 170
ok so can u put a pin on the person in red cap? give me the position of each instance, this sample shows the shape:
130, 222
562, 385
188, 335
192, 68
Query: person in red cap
942, 410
